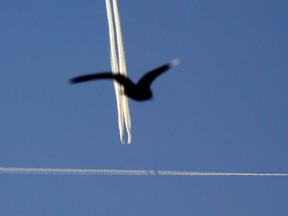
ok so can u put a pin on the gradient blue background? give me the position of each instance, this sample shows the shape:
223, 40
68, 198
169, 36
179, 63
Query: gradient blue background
224, 109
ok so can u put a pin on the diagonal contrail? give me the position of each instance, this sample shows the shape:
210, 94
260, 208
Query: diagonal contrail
122, 101
60, 171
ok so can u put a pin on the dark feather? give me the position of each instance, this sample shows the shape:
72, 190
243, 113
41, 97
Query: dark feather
140, 91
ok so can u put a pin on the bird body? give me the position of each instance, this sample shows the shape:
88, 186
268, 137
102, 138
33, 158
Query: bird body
140, 91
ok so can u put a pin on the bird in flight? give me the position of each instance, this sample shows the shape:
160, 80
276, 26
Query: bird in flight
140, 91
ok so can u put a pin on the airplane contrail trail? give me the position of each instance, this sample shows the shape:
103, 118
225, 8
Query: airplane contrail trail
122, 101
61, 171
114, 67
122, 69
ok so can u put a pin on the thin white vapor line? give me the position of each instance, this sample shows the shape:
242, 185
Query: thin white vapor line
122, 101
122, 69
114, 67
61, 171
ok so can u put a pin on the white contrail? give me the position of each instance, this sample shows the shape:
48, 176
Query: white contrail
122, 101
122, 69
114, 67
60, 171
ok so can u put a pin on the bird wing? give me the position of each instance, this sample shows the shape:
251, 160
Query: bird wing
125, 81
148, 78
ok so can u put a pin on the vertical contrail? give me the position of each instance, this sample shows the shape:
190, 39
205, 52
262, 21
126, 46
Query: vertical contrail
122, 101
122, 69
114, 67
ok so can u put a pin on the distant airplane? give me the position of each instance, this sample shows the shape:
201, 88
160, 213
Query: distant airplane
140, 91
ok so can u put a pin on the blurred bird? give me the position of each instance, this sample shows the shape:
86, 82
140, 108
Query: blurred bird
140, 91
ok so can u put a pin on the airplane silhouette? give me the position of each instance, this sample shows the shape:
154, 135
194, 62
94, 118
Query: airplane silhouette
140, 91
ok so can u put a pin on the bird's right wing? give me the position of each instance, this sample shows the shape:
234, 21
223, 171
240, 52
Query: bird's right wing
148, 78
118, 77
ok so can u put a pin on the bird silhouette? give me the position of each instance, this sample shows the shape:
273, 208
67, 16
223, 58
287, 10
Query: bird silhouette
140, 91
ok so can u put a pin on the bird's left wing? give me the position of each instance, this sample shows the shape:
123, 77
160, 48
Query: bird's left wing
148, 78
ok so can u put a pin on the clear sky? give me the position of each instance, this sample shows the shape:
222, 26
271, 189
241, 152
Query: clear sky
223, 109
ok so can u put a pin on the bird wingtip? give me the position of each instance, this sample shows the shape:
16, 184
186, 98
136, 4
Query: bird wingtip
72, 81
175, 62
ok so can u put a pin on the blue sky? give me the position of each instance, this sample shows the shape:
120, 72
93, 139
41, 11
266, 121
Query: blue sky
223, 109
